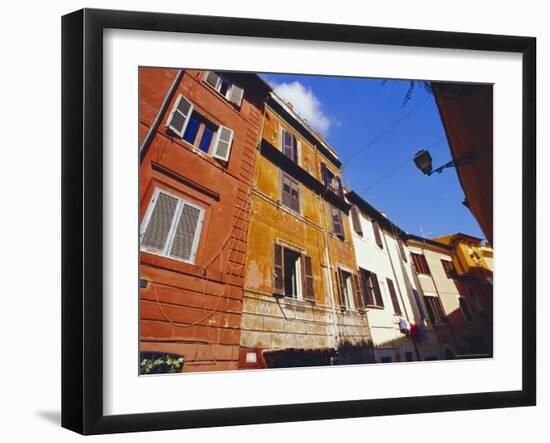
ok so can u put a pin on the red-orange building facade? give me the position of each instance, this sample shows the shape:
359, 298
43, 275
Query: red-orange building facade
198, 137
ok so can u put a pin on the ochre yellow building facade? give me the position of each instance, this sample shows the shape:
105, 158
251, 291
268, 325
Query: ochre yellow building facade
300, 289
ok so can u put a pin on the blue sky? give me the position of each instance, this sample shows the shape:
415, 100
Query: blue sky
354, 116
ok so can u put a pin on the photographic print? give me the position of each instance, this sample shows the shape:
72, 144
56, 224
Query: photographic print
291, 220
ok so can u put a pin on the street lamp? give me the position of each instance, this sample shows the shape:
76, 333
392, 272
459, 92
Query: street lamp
423, 161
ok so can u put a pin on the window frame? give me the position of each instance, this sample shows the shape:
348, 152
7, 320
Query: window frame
418, 271
284, 176
282, 130
212, 148
470, 311
297, 273
394, 298
173, 226
377, 234
174, 110
439, 311
377, 293
449, 268
230, 86
349, 302
340, 235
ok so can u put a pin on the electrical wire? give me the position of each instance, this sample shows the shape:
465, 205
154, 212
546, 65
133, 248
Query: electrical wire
385, 131
395, 169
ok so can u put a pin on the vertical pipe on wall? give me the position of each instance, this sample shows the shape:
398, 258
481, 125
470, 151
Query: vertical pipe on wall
160, 115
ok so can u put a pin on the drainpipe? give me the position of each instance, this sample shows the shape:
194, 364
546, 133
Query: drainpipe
160, 115
328, 273
399, 291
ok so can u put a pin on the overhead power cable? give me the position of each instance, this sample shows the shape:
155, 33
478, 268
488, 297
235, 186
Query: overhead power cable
385, 131
399, 166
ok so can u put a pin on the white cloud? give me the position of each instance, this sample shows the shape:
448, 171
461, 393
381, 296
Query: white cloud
305, 103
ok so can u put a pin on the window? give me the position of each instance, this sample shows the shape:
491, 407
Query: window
409, 356
331, 181
435, 310
346, 289
290, 193
386, 359
473, 296
289, 145
393, 296
230, 91
449, 268
371, 288
465, 308
377, 234
420, 264
337, 224
356, 221
171, 227
419, 304
291, 263
198, 131
177, 121
292, 274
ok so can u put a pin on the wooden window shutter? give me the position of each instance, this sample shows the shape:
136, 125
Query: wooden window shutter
357, 290
179, 116
324, 174
377, 234
356, 221
337, 225
416, 263
222, 146
307, 278
212, 79
419, 304
290, 193
184, 238
376, 287
160, 222
340, 190
393, 296
289, 145
365, 277
235, 95
278, 271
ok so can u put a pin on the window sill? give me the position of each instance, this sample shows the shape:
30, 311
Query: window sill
221, 164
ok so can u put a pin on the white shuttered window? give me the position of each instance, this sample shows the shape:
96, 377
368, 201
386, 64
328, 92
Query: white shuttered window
230, 91
235, 95
179, 117
222, 145
171, 227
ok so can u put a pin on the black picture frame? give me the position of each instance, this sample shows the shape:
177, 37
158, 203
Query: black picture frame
82, 218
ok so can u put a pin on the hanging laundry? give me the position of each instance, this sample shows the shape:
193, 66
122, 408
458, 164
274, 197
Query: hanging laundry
404, 326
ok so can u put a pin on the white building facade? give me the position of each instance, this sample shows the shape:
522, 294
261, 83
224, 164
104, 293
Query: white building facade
397, 316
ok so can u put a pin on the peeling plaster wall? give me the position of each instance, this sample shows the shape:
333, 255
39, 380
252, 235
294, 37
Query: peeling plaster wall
288, 323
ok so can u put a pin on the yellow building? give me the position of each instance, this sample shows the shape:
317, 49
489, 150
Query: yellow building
302, 302
473, 264
456, 297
